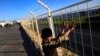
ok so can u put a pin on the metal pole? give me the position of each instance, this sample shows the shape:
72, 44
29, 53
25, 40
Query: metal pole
49, 17
35, 20
90, 29
30, 22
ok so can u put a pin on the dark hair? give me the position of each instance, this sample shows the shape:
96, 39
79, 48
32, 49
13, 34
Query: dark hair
46, 32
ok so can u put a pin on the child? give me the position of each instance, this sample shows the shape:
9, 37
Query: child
50, 44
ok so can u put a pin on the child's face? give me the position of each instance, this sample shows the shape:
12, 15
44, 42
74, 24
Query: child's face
48, 39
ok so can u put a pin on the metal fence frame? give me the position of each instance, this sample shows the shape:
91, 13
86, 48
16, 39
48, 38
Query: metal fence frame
69, 14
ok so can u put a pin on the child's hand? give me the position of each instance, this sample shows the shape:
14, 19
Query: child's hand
74, 24
64, 27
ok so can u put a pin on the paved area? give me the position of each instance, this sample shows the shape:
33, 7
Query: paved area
15, 42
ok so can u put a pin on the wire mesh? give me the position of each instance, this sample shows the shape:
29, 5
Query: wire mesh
84, 40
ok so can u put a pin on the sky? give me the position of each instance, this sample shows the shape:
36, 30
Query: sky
16, 9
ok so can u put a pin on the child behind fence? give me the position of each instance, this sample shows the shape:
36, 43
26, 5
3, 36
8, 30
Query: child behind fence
49, 44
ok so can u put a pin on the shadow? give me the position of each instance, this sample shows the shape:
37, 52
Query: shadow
29, 46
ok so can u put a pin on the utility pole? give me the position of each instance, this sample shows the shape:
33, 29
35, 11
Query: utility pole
49, 17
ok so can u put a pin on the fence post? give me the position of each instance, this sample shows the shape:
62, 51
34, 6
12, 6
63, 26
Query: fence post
36, 21
49, 17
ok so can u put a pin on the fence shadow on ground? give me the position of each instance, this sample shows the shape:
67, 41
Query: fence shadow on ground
29, 46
